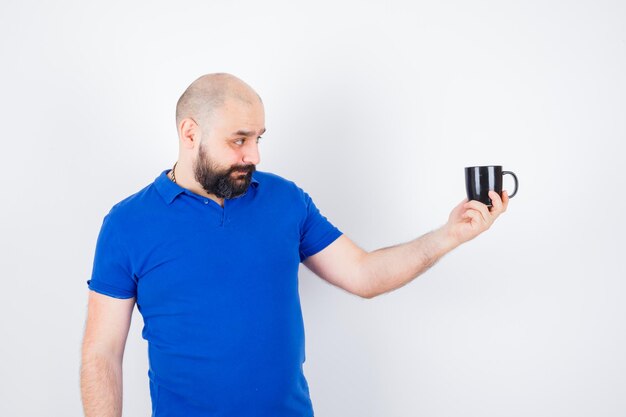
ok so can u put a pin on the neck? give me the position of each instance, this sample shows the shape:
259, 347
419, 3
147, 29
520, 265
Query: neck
185, 178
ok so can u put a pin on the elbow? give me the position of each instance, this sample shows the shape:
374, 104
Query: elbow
370, 286
367, 292
99, 350
365, 288
89, 355
367, 296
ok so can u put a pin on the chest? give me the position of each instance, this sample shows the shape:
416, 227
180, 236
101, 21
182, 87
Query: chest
231, 258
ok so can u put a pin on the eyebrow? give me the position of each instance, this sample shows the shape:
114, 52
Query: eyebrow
247, 132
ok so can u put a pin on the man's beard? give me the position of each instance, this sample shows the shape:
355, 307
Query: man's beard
223, 184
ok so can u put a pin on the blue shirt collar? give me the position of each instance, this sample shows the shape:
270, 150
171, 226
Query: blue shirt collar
169, 190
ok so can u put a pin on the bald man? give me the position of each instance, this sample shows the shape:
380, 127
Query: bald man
210, 252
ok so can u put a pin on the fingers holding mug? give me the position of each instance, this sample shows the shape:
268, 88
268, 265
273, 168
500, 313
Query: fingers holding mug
505, 200
481, 208
497, 204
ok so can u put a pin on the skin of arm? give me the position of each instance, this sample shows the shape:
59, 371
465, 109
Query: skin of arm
106, 330
369, 274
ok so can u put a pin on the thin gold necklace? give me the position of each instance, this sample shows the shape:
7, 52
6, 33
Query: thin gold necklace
174, 176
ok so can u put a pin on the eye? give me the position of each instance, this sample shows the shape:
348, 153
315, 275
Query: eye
242, 140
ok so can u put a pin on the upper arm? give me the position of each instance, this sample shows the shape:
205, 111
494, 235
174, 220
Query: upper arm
340, 264
108, 322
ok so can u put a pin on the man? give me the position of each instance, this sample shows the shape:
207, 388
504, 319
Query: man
210, 253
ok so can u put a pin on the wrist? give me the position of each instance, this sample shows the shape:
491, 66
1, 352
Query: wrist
446, 238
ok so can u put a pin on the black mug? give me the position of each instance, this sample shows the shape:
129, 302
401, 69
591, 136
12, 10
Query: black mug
480, 180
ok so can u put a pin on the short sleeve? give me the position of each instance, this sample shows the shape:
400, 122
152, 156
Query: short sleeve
316, 231
112, 273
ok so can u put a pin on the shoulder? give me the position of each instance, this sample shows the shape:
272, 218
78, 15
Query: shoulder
279, 191
276, 183
132, 208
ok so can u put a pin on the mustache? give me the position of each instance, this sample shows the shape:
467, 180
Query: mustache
244, 169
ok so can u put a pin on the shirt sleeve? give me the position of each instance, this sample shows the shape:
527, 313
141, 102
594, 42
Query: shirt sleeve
316, 230
112, 273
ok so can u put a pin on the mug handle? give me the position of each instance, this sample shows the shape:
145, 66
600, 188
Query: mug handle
516, 183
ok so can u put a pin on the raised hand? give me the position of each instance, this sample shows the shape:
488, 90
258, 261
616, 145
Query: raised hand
470, 218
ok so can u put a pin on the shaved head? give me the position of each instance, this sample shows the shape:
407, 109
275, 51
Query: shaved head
209, 93
219, 119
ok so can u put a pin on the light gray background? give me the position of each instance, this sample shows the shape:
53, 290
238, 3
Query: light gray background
374, 108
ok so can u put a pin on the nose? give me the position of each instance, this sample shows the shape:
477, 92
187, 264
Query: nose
251, 155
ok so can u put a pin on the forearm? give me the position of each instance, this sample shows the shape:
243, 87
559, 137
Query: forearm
101, 386
389, 268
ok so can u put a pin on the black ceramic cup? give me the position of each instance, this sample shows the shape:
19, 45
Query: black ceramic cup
480, 180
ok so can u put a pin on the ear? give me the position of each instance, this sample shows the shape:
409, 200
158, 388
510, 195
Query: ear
189, 133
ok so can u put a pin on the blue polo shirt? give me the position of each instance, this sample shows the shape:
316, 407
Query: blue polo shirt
217, 288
